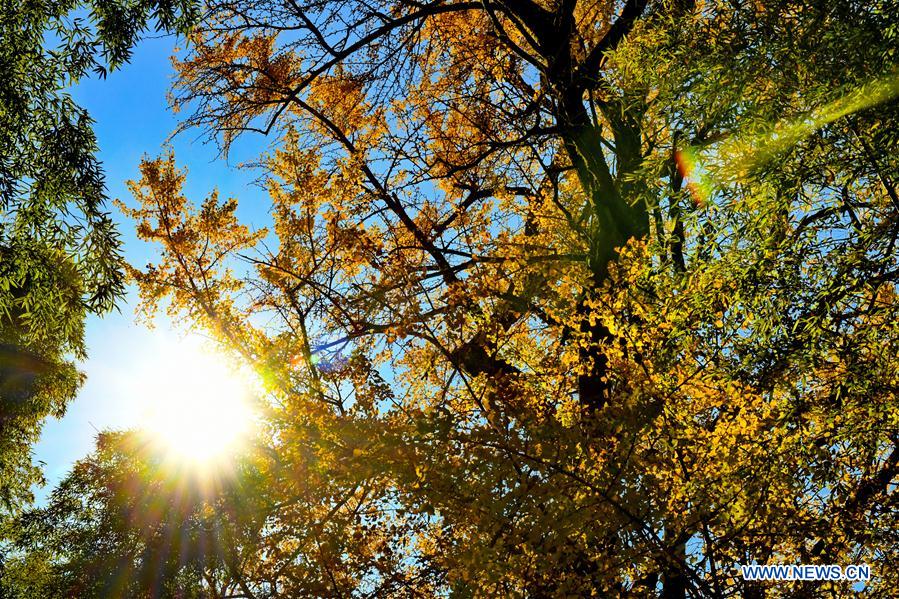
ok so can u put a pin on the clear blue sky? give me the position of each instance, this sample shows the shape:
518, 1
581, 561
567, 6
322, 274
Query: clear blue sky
132, 120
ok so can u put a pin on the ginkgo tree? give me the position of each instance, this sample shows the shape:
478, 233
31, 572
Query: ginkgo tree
558, 298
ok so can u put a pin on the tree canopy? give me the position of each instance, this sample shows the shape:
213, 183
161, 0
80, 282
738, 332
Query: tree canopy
131, 526
559, 298
59, 251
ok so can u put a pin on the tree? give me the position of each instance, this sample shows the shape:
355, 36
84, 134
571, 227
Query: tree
124, 523
559, 298
59, 251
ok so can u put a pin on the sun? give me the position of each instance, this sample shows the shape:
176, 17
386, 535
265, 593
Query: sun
197, 405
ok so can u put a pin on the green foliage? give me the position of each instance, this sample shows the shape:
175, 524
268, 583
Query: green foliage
59, 251
125, 523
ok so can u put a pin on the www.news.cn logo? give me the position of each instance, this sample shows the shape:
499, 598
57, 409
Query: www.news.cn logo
806, 572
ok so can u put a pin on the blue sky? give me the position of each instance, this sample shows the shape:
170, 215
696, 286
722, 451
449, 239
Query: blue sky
132, 120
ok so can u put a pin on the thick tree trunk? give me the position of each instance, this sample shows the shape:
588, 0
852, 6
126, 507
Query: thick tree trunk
674, 579
616, 221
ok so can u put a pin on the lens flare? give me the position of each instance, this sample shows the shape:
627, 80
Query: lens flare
707, 169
